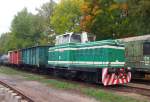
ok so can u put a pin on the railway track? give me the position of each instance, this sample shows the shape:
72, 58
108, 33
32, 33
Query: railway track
11, 94
133, 89
140, 90
116, 88
137, 89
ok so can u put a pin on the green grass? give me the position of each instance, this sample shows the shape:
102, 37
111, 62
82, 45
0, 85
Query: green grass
98, 94
104, 96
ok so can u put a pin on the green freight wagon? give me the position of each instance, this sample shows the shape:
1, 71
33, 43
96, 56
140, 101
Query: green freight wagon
105, 60
138, 56
35, 56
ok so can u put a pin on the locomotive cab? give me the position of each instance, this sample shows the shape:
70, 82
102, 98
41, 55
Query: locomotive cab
74, 38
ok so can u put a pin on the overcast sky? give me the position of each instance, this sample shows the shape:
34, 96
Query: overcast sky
8, 8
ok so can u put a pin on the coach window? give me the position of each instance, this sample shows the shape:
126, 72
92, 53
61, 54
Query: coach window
146, 48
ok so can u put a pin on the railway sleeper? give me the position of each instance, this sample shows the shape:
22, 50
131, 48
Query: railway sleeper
8, 95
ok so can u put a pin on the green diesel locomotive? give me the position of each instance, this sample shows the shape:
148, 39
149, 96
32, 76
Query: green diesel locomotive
99, 61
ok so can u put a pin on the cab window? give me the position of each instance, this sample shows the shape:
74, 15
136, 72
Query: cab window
75, 38
65, 39
62, 39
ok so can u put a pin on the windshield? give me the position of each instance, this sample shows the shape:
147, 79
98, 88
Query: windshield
75, 38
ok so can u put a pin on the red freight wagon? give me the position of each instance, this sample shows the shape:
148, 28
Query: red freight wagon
14, 57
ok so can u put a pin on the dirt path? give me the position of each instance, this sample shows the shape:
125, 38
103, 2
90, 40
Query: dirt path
42, 93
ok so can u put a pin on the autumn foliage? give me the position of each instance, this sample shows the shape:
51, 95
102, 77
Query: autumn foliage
102, 17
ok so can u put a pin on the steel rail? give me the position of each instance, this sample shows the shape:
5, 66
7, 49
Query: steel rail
24, 97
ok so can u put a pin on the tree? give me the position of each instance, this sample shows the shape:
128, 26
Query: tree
7, 42
105, 18
139, 12
3, 40
45, 12
66, 17
116, 18
27, 29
